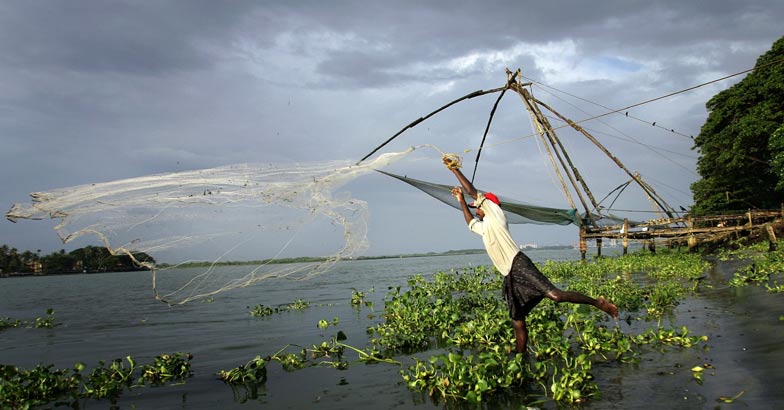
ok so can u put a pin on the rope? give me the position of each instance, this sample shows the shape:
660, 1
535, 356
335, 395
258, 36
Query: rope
512, 77
670, 95
645, 102
653, 123
621, 187
627, 138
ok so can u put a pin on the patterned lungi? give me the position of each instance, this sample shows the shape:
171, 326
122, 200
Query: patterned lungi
524, 287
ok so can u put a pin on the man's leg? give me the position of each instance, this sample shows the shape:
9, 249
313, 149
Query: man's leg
558, 296
521, 334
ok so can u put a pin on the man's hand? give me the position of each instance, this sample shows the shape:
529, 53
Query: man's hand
457, 192
452, 161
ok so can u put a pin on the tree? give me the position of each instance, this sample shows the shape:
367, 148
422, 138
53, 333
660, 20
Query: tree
4, 258
737, 163
776, 147
14, 262
58, 262
89, 258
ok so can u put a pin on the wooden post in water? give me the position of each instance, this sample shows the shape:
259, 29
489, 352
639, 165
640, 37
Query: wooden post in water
625, 235
652, 246
693, 244
583, 245
598, 247
773, 244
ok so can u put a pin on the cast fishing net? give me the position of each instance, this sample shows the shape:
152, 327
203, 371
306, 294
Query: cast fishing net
212, 215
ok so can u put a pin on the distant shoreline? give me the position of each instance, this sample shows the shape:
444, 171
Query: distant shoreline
302, 259
306, 259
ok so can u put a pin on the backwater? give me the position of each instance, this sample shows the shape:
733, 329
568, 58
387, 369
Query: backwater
113, 315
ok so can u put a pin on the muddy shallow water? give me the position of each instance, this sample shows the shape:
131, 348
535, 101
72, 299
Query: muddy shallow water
108, 316
745, 352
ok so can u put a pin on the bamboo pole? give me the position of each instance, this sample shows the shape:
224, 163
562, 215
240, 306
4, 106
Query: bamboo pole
665, 208
510, 79
541, 131
557, 147
693, 243
625, 235
420, 119
574, 169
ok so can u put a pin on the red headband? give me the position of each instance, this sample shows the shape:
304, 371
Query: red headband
489, 196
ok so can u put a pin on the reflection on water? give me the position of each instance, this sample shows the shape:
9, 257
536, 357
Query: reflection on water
108, 316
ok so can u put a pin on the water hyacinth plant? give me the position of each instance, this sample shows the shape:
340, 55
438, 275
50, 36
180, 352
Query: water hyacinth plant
262, 310
39, 322
21, 388
461, 316
462, 312
764, 269
250, 377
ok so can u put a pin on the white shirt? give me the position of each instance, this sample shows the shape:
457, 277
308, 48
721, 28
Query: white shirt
494, 230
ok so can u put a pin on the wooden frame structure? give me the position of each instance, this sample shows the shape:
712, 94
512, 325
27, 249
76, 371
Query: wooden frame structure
688, 231
672, 228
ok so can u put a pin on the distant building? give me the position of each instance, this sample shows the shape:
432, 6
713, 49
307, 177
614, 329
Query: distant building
34, 266
529, 246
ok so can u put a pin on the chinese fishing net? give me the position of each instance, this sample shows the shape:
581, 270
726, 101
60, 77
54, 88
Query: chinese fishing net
217, 215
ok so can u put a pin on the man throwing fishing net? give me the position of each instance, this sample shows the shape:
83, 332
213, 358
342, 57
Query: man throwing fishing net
524, 285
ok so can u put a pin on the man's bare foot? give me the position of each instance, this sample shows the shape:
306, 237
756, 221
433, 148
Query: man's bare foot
608, 307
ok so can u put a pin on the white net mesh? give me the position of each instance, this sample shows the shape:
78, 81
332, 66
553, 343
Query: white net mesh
234, 212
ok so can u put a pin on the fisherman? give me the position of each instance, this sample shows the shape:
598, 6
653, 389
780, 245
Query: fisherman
524, 285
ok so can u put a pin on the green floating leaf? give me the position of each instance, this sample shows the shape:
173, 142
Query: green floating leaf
733, 398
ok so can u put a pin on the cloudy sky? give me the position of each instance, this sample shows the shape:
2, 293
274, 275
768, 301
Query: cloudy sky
94, 91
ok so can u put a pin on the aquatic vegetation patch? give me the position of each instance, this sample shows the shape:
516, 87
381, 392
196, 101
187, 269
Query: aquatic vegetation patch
166, 368
323, 324
21, 388
252, 375
39, 322
249, 377
462, 313
764, 270
635, 281
743, 250
428, 308
358, 298
461, 317
454, 375
262, 310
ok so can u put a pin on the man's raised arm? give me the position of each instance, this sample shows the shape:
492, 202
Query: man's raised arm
468, 187
458, 194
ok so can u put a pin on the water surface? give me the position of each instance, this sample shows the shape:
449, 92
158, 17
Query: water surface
112, 315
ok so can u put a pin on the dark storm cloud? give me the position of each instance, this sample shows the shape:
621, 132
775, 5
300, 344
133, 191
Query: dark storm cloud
102, 90
638, 29
129, 37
